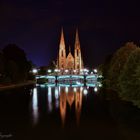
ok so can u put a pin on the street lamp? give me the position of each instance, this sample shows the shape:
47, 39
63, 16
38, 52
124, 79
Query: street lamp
49, 70
34, 71
95, 70
66, 71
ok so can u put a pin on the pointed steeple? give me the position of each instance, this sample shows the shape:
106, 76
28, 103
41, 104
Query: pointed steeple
77, 42
77, 52
62, 41
62, 52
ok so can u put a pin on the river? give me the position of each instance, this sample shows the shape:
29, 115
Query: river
66, 112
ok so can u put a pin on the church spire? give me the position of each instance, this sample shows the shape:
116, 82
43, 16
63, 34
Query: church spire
62, 41
62, 52
77, 42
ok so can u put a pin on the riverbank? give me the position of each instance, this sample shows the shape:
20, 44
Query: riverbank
12, 86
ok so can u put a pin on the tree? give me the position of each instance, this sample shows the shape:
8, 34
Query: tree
117, 63
18, 58
129, 80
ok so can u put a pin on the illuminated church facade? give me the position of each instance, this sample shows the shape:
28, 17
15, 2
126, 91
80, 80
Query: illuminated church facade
70, 61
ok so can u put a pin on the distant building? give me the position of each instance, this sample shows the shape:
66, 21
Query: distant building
70, 61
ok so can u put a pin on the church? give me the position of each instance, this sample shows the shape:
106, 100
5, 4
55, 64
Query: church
71, 61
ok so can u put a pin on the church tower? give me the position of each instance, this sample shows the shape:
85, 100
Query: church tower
77, 52
62, 52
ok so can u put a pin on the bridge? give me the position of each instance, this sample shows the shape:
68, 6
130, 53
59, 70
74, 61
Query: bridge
68, 78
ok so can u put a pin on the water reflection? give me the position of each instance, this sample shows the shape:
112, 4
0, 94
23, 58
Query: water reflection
35, 113
59, 97
78, 104
49, 99
56, 97
74, 95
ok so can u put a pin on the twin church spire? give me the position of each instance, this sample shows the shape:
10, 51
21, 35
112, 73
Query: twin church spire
69, 62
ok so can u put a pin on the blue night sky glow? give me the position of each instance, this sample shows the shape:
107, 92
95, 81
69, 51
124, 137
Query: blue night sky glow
35, 26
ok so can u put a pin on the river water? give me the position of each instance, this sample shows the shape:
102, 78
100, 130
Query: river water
66, 112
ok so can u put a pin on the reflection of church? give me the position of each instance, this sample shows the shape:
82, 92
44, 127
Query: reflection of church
69, 61
70, 98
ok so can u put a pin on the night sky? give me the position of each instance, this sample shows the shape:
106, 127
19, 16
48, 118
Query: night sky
35, 26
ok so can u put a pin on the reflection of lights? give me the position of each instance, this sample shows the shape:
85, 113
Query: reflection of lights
100, 85
74, 71
49, 71
56, 97
42, 86
74, 89
95, 89
91, 73
81, 88
56, 93
49, 99
85, 91
35, 105
34, 71
66, 89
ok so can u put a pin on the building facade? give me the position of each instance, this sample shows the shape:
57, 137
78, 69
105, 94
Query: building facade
70, 61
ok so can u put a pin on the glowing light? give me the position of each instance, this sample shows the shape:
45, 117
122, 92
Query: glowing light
85, 92
49, 99
75, 89
42, 86
100, 85
95, 89
35, 106
66, 71
56, 70
81, 88
85, 70
56, 93
78, 83
49, 71
56, 97
34, 71
66, 89
95, 70
100, 76
74, 71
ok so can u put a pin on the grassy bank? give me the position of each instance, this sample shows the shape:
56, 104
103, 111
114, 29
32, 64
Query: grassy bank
17, 85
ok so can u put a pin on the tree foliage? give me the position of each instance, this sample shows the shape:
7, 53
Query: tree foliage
129, 81
14, 65
117, 63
